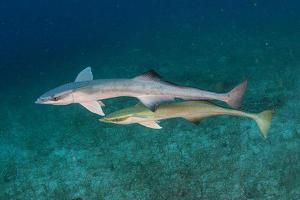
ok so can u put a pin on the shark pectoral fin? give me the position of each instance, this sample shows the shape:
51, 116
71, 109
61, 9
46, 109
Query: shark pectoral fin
94, 106
194, 120
151, 124
85, 75
152, 101
101, 103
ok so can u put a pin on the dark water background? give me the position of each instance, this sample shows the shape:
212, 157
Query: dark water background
63, 152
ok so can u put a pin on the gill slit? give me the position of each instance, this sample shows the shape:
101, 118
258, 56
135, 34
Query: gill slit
73, 97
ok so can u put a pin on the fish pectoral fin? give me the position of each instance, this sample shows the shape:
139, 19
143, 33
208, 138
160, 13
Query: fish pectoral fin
94, 107
194, 120
152, 102
101, 103
151, 124
85, 75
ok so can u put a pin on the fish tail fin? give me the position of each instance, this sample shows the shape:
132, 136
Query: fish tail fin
235, 96
263, 121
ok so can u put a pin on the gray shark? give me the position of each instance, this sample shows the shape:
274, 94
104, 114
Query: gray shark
149, 88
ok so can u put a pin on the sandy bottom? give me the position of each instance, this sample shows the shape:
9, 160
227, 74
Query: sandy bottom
63, 152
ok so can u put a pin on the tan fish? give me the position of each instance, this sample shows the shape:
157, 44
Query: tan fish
149, 88
193, 111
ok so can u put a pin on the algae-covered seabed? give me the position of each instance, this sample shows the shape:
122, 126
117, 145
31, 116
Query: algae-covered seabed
63, 152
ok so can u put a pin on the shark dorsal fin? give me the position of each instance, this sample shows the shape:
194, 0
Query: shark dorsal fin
152, 75
85, 75
149, 75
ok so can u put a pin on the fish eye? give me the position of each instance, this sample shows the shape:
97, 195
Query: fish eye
55, 98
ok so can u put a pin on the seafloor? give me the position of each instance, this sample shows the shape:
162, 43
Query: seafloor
63, 152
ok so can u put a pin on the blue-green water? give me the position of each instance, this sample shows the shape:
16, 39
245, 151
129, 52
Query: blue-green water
64, 152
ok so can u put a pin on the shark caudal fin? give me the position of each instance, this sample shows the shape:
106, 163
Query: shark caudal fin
235, 96
263, 121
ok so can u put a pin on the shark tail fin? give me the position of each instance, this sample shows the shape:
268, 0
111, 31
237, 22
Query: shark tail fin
263, 121
235, 96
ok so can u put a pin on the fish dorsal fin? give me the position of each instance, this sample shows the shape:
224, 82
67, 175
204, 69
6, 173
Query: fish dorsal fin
194, 120
85, 75
149, 75
152, 102
94, 107
152, 75
151, 124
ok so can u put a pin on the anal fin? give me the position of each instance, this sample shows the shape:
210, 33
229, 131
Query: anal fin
94, 107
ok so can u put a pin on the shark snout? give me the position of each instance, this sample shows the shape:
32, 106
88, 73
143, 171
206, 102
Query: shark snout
40, 101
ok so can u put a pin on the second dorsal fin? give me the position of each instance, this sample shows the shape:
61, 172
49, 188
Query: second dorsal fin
149, 75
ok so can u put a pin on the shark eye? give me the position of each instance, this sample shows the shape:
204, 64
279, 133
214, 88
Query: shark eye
55, 98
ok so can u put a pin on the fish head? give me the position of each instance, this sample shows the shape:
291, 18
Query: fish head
131, 115
62, 95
